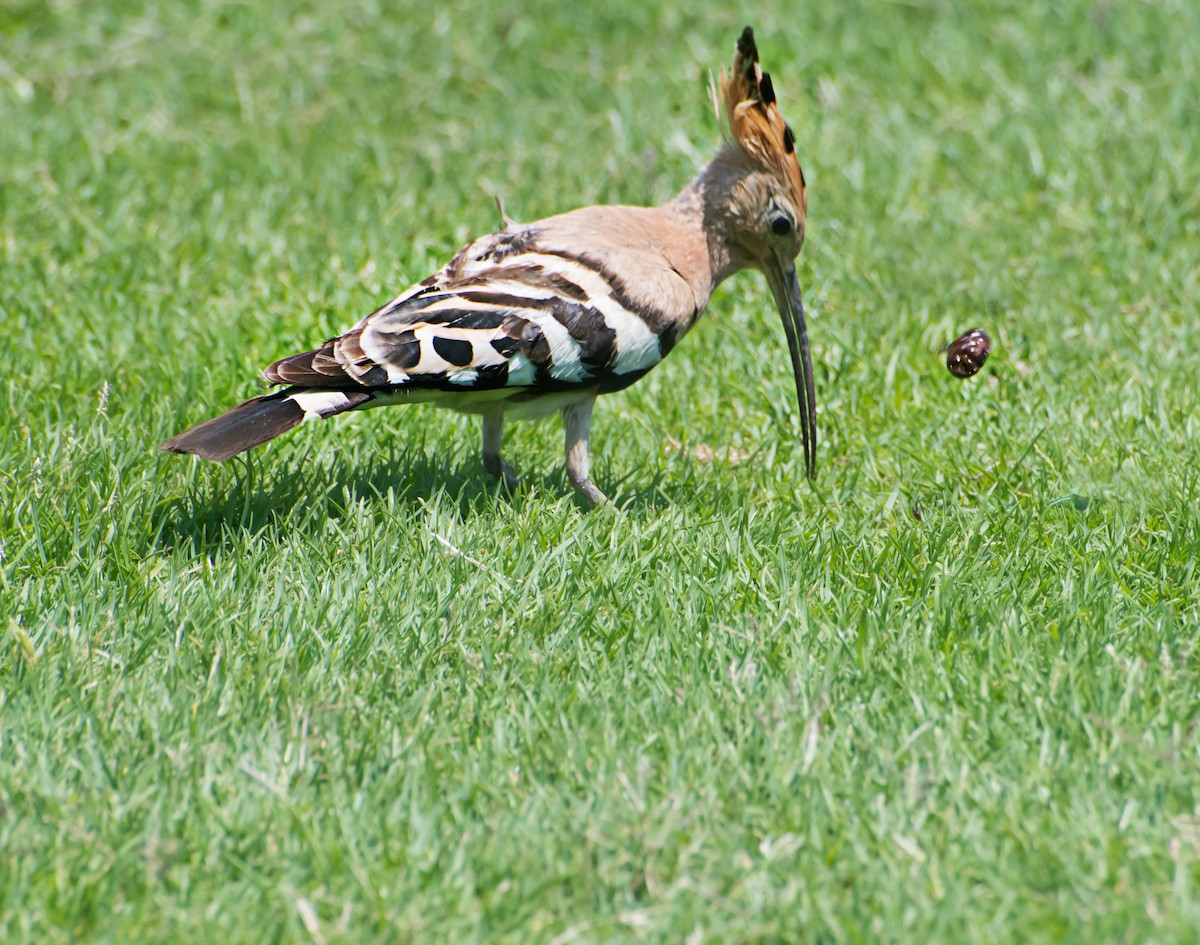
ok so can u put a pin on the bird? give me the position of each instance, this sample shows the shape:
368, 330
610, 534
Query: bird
545, 317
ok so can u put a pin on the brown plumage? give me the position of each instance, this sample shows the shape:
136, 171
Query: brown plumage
756, 122
546, 316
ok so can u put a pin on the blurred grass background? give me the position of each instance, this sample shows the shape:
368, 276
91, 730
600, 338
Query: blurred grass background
344, 692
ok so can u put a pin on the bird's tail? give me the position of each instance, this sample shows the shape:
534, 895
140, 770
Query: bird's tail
260, 419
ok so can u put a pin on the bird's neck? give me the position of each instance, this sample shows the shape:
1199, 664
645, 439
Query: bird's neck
708, 256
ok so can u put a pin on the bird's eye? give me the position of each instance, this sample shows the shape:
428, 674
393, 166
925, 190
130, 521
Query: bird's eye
781, 225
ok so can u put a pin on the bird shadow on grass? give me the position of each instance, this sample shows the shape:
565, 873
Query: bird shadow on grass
269, 500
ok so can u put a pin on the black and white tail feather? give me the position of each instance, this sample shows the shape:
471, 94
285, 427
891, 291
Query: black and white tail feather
546, 316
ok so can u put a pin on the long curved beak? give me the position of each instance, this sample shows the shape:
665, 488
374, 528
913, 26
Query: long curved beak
781, 274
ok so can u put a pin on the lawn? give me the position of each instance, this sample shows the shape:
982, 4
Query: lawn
346, 692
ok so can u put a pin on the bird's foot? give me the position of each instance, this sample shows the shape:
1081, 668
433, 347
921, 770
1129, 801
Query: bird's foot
589, 490
497, 468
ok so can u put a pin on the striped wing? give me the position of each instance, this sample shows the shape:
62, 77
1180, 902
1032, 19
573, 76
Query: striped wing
501, 314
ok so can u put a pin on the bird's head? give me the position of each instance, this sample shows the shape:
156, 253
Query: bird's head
755, 191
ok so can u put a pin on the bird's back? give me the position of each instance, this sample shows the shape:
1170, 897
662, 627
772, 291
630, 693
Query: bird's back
591, 299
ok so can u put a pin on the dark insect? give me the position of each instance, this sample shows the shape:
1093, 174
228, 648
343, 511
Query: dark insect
966, 353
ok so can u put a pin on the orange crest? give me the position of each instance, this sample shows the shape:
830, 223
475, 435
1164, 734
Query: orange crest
755, 121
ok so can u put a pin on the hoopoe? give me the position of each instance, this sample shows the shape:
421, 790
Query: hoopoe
546, 316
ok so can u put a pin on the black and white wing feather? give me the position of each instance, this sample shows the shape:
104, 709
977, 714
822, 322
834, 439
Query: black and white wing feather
501, 316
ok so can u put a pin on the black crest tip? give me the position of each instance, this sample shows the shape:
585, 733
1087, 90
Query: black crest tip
766, 89
746, 46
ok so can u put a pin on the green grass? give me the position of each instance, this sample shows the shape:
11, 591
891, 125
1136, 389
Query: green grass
346, 693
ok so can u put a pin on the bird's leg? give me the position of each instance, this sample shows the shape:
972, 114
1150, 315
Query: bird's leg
493, 436
577, 423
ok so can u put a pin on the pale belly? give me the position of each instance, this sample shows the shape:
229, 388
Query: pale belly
515, 404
